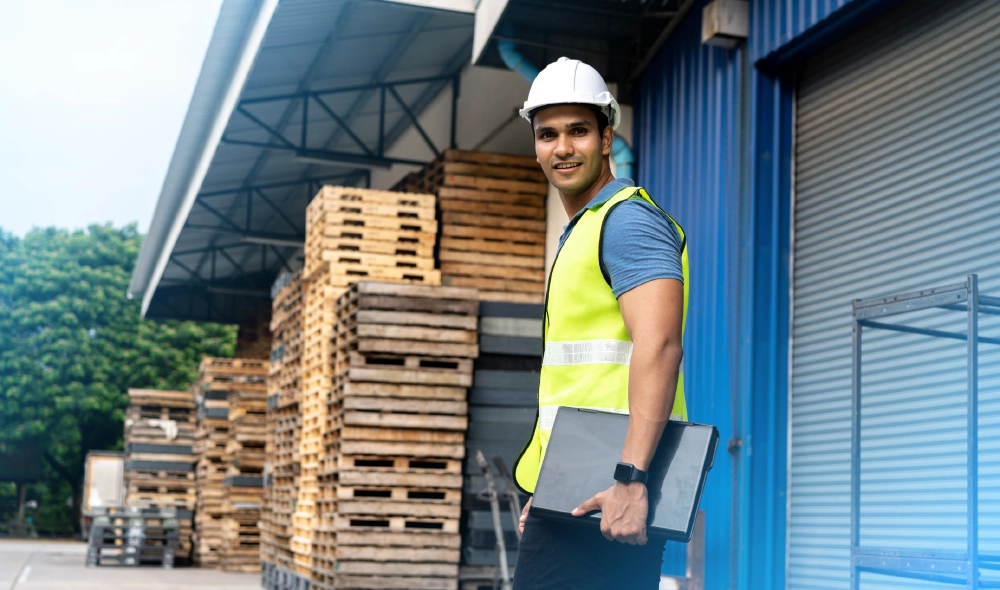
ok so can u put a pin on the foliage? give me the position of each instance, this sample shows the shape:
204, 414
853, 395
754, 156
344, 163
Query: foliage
72, 344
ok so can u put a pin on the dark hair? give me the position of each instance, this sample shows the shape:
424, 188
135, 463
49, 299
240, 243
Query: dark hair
602, 119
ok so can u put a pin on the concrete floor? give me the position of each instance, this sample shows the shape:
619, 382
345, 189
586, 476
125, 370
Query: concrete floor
59, 565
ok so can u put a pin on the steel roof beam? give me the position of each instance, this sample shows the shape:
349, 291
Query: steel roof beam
342, 89
379, 77
236, 265
416, 122
284, 261
277, 211
327, 157
264, 126
209, 248
216, 213
231, 191
450, 73
253, 237
343, 125
315, 68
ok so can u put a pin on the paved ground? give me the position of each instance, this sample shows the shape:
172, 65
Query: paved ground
58, 565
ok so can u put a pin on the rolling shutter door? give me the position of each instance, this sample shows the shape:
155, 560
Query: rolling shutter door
897, 188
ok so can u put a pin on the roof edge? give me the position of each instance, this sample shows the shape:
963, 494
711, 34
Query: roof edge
236, 41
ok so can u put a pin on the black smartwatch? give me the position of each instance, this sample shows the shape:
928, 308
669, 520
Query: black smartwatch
626, 472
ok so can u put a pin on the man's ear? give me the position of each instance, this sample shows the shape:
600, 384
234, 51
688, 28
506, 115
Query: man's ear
606, 140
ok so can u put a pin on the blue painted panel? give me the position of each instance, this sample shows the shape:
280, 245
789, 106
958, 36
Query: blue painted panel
687, 143
763, 327
783, 32
774, 23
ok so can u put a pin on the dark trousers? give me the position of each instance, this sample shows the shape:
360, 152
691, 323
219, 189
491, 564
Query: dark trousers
556, 555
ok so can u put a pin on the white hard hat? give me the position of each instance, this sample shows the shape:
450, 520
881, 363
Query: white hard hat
570, 81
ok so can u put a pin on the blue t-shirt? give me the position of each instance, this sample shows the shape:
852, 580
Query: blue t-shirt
640, 243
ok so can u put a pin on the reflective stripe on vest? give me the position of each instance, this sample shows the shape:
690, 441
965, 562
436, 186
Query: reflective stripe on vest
587, 352
587, 349
547, 415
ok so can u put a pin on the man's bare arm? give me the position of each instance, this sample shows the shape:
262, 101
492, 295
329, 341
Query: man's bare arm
653, 317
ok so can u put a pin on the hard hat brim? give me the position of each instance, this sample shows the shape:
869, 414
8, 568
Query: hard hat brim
611, 109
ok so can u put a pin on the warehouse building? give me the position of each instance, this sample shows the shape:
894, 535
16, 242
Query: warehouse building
844, 149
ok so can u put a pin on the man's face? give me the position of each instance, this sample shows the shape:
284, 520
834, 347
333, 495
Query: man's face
569, 146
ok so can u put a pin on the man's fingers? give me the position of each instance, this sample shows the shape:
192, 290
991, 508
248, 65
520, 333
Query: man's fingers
588, 506
607, 533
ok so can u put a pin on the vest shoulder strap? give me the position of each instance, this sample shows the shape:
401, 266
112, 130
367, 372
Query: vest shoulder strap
639, 194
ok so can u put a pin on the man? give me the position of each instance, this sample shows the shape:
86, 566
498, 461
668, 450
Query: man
614, 317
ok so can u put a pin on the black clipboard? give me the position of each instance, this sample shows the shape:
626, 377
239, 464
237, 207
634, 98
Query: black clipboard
580, 461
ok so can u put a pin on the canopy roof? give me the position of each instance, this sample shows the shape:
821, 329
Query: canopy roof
292, 95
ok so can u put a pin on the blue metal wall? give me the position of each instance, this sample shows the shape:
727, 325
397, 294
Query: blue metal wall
783, 31
687, 143
774, 23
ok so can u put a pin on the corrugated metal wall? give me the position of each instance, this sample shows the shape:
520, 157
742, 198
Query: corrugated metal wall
773, 23
687, 144
897, 188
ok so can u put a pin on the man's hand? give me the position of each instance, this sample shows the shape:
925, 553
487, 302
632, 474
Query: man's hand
624, 509
524, 515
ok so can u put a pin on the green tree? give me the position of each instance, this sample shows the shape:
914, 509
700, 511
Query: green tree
72, 344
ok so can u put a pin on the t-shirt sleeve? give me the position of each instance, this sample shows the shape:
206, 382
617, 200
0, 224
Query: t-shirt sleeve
640, 245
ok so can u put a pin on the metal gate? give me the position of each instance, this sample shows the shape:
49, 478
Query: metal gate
897, 186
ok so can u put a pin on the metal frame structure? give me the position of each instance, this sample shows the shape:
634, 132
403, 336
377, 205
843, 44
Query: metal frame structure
246, 232
935, 566
369, 156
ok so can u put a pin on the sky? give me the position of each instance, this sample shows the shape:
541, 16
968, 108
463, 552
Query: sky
92, 97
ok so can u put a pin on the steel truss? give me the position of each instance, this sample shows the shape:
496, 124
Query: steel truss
368, 156
960, 569
251, 250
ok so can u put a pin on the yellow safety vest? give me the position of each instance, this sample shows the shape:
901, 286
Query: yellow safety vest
586, 348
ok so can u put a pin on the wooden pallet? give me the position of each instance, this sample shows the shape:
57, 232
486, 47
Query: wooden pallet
334, 197
354, 261
344, 274
420, 415
361, 220
363, 522
284, 424
158, 475
138, 413
234, 367
160, 398
492, 214
416, 246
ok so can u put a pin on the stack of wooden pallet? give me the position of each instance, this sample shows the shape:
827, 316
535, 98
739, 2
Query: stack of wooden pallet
492, 222
283, 426
354, 234
133, 537
243, 381
351, 235
210, 447
159, 456
394, 438
318, 321
220, 379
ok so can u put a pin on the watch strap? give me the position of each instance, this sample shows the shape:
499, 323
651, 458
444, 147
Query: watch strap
627, 473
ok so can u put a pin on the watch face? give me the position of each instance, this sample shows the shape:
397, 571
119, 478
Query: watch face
623, 472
